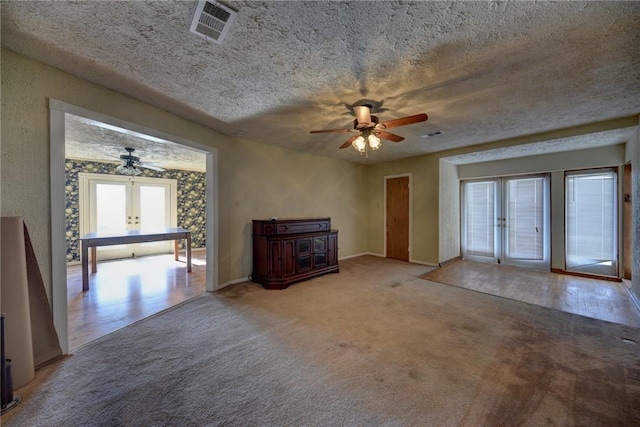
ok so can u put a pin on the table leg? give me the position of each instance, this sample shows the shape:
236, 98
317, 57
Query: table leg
189, 252
176, 248
94, 259
85, 267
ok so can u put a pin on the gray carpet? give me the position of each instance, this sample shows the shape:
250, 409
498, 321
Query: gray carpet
370, 346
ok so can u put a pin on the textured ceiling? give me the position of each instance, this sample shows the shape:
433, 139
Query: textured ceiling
482, 71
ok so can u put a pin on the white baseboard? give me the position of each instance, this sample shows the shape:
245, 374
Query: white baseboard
429, 264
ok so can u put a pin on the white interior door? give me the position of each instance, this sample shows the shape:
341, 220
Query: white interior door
506, 220
114, 204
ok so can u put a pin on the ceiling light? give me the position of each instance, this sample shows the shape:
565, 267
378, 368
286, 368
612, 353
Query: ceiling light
359, 144
374, 142
128, 169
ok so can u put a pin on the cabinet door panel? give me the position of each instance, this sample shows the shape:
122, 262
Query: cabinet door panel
304, 263
320, 260
303, 246
320, 244
332, 251
275, 263
289, 261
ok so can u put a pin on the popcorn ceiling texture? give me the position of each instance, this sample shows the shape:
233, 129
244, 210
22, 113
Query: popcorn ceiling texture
483, 71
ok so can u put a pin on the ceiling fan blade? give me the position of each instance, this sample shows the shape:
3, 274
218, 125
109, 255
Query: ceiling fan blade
390, 136
152, 167
330, 131
363, 114
404, 121
349, 141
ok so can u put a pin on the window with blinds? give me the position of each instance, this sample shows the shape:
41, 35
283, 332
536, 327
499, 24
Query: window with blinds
591, 212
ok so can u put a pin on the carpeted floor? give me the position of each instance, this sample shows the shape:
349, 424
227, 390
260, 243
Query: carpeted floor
373, 345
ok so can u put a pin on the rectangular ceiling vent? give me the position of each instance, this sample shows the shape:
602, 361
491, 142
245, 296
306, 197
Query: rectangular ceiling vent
212, 20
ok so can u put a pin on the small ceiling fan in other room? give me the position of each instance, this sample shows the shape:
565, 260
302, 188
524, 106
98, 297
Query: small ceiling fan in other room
131, 164
371, 131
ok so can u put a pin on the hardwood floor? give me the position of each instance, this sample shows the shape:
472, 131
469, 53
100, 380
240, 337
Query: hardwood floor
125, 291
599, 299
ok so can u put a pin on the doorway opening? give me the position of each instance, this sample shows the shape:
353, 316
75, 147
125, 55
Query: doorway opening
506, 221
59, 114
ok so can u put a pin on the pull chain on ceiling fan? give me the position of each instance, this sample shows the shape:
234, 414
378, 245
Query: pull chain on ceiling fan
371, 131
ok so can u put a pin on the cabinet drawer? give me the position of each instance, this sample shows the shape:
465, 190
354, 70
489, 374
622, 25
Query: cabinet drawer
291, 226
302, 227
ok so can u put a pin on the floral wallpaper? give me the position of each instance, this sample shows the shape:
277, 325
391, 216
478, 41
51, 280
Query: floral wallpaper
191, 201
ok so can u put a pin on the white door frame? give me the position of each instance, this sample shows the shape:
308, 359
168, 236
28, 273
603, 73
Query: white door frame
57, 112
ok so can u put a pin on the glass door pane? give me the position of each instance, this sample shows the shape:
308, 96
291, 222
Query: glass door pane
153, 215
152, 204
525, 230
480, 221
109, 214
591, 222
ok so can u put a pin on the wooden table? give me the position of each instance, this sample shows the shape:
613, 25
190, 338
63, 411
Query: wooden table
92, 240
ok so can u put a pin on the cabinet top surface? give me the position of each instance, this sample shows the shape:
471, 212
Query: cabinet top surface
292, 219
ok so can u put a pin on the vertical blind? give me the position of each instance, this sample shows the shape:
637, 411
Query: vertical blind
591, 222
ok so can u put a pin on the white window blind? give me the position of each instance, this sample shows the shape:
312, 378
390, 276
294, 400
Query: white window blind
525, 218
480, 218
591, 222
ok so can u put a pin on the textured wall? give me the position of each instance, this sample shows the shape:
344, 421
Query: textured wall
191, 201
449, 212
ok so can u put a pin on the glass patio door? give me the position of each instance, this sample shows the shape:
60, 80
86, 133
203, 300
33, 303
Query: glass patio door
506, 220
591, 216
118, 204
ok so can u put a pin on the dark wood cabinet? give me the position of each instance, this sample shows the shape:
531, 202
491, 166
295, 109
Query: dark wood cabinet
290, 250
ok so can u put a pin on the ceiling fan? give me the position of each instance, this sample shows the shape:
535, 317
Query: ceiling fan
131, 164
370, 130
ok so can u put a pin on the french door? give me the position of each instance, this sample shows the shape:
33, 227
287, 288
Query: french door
114, 204
506, 220
591, 222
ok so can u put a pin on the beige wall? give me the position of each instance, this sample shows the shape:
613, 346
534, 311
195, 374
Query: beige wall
255, 180
424, 172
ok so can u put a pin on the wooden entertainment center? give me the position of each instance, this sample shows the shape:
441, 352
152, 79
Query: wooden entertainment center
286, 251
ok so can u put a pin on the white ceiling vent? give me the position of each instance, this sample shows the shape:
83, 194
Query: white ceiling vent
212, 20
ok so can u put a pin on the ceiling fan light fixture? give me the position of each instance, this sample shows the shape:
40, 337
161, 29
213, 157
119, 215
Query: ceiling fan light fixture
359, 144
128, 170
374, 142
